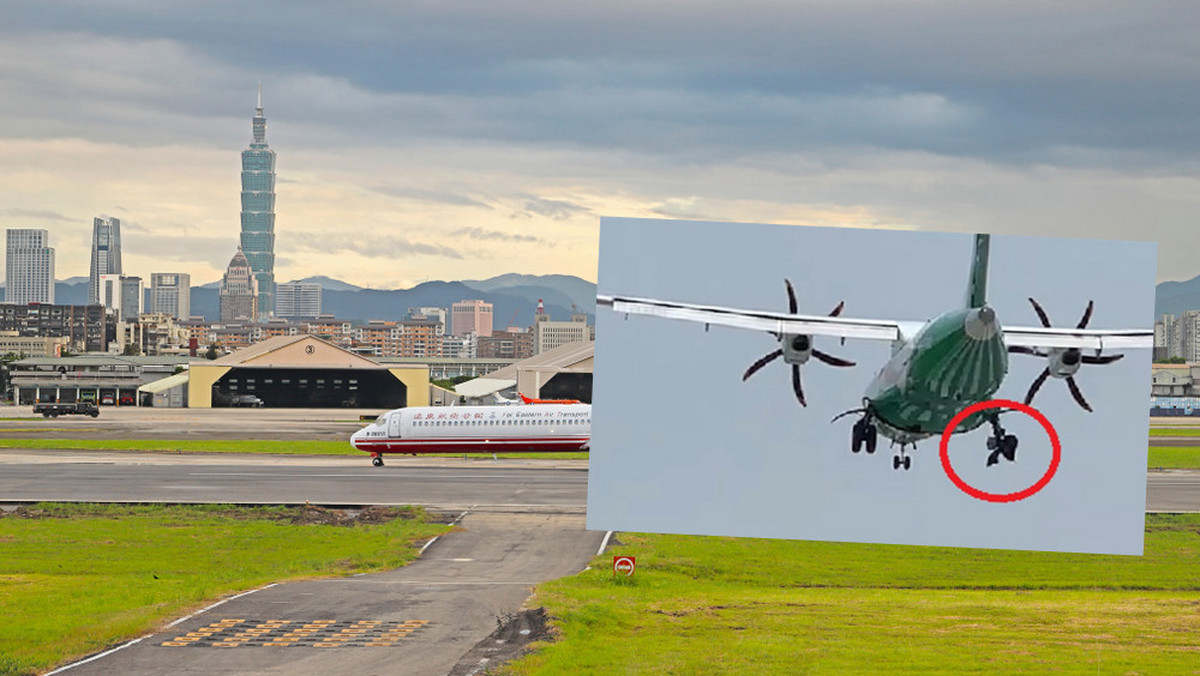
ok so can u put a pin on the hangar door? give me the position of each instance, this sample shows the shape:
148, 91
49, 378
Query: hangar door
312, 388
568, 386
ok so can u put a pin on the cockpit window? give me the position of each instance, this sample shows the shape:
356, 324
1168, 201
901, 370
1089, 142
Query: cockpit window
381, 421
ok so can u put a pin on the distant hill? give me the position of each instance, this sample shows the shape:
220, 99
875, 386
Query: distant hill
513, 298
1176, 297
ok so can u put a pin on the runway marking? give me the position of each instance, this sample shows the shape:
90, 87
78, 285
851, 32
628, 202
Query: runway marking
241, 632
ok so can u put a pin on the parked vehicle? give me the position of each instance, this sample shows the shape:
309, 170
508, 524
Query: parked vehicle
127, 400
74, 408
246, 400
106, 400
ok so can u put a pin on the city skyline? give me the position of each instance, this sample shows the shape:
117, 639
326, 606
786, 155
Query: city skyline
462, 142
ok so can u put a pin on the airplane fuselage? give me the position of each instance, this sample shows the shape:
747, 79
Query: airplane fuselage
487, 429
954, 361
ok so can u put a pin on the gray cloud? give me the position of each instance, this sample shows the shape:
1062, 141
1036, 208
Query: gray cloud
558, 210
496, 236
40, 214
374, 246
429, 196
1012, 81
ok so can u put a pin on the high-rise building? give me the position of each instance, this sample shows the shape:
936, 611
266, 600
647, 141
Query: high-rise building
29, 277
258, 211
239, 291
106, 254
298, 300
133, 298
171, 294
471, 316
122, 295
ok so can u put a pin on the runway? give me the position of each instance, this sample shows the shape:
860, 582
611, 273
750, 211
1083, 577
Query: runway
446, 484
442, 484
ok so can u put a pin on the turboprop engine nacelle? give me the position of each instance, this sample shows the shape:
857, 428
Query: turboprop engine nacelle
1063, 362
797, 347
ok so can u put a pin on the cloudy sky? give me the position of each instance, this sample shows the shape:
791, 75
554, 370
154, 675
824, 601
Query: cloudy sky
466, 139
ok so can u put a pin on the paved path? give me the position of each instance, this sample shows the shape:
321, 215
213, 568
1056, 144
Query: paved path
425, 616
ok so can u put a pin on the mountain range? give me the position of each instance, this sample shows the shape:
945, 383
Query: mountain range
513, 297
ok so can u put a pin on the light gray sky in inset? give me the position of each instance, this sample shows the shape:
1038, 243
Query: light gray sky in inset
681, 444
490, 135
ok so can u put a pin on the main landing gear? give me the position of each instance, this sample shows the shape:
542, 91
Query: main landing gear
864, 434
377, 459
1000, 443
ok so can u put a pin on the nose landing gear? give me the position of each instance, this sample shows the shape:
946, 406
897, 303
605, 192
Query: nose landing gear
377, 459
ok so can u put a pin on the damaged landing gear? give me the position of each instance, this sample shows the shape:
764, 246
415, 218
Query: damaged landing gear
1000, 443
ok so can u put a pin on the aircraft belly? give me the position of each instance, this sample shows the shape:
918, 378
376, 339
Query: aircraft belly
945, 372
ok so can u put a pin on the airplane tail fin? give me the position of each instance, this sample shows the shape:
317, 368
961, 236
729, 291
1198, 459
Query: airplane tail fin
977, 283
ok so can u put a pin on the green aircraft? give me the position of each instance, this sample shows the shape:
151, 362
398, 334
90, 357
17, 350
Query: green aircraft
937, 368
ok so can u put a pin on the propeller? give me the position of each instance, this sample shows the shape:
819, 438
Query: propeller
1063, 363
798, 348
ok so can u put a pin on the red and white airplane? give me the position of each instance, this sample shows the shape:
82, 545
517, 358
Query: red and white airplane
477, 429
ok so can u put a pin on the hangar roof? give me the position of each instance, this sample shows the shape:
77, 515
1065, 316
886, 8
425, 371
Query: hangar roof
576, 357
481, 387
301, 351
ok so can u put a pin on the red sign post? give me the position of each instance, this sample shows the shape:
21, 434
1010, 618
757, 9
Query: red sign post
623, 565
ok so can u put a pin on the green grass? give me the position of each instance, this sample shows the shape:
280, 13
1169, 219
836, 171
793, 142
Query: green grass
1174, 457
1175, 431
83, 577
242, 446
707, 605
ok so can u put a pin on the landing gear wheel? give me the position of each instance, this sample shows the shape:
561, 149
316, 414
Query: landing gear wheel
1008, 447
377, 461
895, 462
857, 437
872, 436
907, 462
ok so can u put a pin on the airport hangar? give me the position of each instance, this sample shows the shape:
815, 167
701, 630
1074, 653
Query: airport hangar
305, 372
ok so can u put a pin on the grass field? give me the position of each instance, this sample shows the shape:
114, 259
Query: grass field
77, 578
707, 605
1175, 431
243, 446
1174, 457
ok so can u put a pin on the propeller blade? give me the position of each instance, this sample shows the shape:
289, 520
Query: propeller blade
1021, 349
1087, 315
1077, 394
796, 384
830, 359
1040, 313
1108, 359
761, 363
792, 306
1037, 384
838, 310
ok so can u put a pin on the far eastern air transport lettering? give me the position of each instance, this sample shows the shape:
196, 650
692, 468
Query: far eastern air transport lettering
477, 429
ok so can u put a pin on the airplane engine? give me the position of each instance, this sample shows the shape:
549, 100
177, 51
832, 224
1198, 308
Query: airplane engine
797, 348
1063, 363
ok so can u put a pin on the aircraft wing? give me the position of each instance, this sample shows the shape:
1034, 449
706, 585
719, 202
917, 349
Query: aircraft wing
755, 320
872, 329
1084, 339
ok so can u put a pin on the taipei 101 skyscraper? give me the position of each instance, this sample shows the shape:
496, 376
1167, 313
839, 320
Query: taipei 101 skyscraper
258, 211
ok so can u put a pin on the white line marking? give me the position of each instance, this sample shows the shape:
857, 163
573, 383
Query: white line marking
604, 544
142, 638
